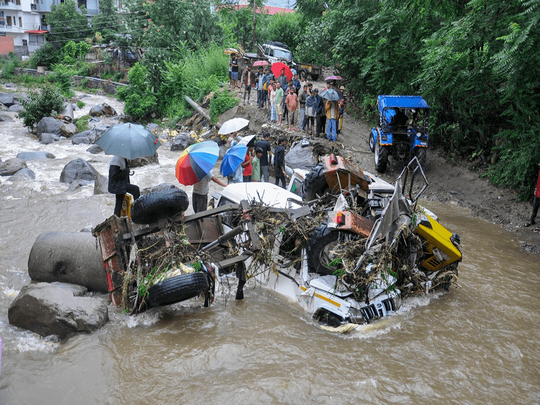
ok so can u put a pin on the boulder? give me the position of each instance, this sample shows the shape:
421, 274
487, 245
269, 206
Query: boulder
300, 158
23, 174
49, 125
11, 166
94, 149
49, 309
16, 108
102, 109
74, 186
68, 257
47, 138
3, 107
101, 184
7, 99
98, 132
4, 116
82, 138
78, 169
145, 160
68, 130
152, 127
26, 156
182, 141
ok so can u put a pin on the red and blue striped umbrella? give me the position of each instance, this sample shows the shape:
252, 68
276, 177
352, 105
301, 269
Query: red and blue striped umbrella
196, 161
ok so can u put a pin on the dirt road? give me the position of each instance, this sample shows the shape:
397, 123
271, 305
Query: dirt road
450, 182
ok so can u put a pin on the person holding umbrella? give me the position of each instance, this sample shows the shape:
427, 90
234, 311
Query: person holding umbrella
119, 183
199, 196
126, 142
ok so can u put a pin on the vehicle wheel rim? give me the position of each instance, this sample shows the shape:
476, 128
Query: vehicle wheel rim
326, 256
371, 142
377, 153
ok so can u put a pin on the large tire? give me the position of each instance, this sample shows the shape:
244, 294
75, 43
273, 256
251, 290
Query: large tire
303, 73
167, 202
421, 155
381, 157
315, 183
320, 244
177, 289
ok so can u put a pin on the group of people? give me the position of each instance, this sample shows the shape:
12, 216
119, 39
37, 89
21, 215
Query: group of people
291, 101
255, 166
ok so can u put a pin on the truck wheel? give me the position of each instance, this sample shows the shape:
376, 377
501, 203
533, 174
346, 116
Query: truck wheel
167, 202
381, 157
303, 74
371, 142
319, 250
177, 289
314, 77
421, 154
315, 183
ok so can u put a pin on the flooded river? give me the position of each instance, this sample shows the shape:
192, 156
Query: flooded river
477, 344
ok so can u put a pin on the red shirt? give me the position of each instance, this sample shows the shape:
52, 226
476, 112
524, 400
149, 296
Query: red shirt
248, 170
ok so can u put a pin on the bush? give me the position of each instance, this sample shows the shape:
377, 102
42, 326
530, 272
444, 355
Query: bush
46, 55
8, 69
80, 104
63, 77
41, 104
82, 123
221, 103
139, 100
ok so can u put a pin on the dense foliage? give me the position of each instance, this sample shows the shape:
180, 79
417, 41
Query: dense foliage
42, 103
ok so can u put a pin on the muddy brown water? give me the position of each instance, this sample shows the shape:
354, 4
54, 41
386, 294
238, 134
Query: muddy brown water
476, 344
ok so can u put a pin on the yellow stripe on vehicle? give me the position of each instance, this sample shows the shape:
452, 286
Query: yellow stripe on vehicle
322, 297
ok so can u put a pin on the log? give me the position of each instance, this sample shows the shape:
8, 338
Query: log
200, 110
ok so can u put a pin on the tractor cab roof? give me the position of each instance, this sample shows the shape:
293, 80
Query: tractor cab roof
385, 102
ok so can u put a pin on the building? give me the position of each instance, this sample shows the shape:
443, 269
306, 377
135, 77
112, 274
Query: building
272, 6
22, 23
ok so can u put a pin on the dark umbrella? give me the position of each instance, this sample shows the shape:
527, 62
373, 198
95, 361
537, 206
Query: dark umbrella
129, 141
331, 94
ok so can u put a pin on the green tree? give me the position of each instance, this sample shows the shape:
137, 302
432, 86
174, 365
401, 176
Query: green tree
140, 101
68, 23
107, 23
41, 103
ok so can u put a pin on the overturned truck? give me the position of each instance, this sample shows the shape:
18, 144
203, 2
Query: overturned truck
348, 252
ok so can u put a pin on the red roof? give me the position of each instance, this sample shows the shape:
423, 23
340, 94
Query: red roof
36, 31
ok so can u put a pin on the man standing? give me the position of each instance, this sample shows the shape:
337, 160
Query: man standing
234, 70
292, 105
279, 162
260, 79
279, 102
302, 97
282, 79
536, 201
256, 165
332, 113
199, 197
248, 78
296, 84
247, 167
321, 114
264, 145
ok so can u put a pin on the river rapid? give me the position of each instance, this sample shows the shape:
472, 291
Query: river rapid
477, 344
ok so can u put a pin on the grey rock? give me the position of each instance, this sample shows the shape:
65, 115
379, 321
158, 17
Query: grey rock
26, 156
145, 160
94, 120
98, 132
78, 169
159, 187
182, 141
82, 138
49, 309
68, 130
300, 158
7, 99
101, 184
11, 166
102, 109
16, 108
152, 127
94, 149
3, 107
4, 116
47, 138
74, 186
23, 174
49, 125
20, 97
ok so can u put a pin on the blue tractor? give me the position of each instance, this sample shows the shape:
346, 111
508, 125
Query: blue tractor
402, 131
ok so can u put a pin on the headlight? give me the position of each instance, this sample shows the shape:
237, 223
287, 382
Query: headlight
419, 134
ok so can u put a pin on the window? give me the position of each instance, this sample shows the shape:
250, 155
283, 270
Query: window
20, 21
24, 42
8, 21
18, 2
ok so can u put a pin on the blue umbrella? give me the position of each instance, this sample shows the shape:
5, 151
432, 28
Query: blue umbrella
129, 140
233, 158
331, 94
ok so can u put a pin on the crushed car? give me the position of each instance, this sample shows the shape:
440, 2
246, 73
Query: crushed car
348, 252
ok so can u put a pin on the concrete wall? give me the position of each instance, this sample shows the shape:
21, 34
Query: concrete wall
92, 82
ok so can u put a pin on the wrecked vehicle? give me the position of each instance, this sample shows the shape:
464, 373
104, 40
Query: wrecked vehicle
348, 256
341, 266
402, 132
